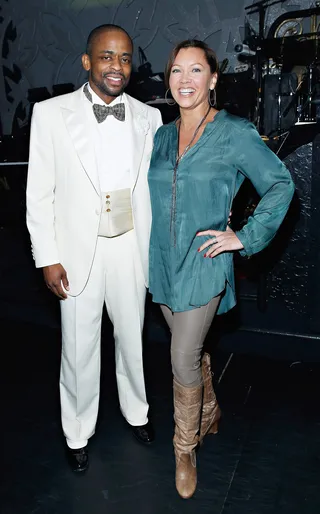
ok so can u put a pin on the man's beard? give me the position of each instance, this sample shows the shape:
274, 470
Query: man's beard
104, 88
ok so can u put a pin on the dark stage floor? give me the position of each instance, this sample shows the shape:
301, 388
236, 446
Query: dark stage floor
265, 458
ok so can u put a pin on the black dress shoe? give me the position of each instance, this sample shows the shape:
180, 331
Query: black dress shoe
144, 433
78, 459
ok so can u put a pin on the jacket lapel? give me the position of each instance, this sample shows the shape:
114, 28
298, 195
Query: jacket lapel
78, 126
137, 119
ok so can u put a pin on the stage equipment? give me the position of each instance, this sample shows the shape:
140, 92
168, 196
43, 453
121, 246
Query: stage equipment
236, 92
286, 68
146, 86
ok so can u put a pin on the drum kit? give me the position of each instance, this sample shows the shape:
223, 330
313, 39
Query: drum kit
292, 46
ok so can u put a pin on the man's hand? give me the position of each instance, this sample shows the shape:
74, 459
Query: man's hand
54, 276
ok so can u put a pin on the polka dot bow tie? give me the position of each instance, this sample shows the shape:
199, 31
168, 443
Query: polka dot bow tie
101, 112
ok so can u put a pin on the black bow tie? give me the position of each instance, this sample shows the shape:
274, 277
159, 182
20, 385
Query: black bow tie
101, 112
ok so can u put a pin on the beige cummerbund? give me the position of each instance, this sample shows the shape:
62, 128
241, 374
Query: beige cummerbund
116, 215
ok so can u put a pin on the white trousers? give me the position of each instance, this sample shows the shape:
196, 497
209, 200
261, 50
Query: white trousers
116, 278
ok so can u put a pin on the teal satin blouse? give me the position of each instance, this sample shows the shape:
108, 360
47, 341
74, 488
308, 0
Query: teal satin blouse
207, 180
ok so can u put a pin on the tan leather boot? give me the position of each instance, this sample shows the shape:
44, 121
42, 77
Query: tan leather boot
187, 411
211, 412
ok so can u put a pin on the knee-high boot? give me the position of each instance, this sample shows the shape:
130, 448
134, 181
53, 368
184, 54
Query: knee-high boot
187, 412
211, 412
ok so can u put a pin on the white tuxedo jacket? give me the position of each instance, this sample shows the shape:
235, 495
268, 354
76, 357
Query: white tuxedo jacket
63, 192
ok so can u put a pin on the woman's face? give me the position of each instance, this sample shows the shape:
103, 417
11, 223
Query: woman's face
191, 78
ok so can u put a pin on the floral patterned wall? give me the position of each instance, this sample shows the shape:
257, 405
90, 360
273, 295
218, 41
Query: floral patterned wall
42, 40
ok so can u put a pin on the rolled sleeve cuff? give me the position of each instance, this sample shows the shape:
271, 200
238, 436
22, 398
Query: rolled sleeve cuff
246, 250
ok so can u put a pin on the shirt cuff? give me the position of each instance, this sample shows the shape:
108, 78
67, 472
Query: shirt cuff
246, 250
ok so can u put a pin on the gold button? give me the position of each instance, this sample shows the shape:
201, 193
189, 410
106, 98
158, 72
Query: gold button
108, 210
108, 196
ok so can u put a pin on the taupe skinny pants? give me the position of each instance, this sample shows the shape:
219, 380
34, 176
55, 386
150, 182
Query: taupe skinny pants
188, 332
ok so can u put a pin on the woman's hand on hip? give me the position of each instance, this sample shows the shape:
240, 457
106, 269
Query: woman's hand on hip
220, 242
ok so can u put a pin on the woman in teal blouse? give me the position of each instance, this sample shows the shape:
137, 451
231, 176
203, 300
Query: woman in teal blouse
197, 166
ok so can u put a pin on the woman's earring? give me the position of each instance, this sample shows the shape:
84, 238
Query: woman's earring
212, 101
169, 102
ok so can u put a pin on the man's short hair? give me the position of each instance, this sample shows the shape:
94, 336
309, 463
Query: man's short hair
95, 33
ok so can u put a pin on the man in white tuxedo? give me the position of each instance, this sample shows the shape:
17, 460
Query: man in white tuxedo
88, 214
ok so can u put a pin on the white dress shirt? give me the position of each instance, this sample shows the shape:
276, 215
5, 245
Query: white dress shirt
111, 139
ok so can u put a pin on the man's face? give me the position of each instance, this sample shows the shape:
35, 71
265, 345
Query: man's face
109, 64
